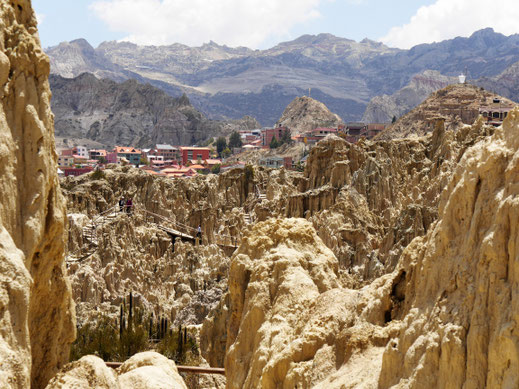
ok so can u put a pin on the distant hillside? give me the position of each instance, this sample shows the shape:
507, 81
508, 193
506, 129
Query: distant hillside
505, 83
455, 104
382, 109
228, 82
129, 113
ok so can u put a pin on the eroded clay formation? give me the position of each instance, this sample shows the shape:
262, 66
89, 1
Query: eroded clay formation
37, 318
385, 264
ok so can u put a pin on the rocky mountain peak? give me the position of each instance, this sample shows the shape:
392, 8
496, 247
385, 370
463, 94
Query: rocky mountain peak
305, 114
80, 43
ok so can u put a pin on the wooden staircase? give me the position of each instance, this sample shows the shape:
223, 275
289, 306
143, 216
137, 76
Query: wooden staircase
173, 228
90, 238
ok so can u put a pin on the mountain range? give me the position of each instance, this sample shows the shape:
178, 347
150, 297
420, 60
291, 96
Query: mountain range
346, 75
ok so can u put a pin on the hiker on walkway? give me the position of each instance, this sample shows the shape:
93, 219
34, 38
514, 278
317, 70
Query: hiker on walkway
199, 232
121, 204
129, 205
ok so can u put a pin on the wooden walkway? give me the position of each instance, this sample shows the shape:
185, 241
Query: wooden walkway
183, 369
185, 232
175, 229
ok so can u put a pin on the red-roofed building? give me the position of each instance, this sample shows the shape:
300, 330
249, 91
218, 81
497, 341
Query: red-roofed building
182, 171
73, 171
194, 153
212, 162
79, 159
97, 154
132, 154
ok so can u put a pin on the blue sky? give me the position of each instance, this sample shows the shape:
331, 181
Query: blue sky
264, 23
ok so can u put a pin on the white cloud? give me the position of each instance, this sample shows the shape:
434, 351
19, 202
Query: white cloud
193, 22
446, 19
40, 18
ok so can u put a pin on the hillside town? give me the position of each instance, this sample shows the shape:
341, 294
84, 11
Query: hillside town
188, 161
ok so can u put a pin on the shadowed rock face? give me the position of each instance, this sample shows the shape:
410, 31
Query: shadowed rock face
130, 113
37, 317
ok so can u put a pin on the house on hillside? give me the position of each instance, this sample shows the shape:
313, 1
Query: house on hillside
276, 162
354, 131
73, 171
179, 171
194, 153
495, 113
268, 133
167, 152
373, 129
81, 151
315, 135
111, 157
97, 154
131, 154
65, 160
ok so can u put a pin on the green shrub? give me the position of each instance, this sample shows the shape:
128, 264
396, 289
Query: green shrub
216, 169
97, 175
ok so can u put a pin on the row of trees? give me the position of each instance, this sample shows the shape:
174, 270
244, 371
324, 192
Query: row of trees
223, 148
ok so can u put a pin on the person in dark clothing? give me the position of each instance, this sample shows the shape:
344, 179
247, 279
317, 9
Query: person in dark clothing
199, 232
129, 205
121, 204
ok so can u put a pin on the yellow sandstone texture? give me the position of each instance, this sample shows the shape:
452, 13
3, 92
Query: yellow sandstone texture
37, 320
148, 370
444, 317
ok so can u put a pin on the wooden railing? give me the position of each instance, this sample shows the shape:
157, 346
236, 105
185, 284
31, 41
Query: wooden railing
183, 369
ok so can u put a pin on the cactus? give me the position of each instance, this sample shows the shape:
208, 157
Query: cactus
180, 343
121, 319
165, 326
185, 335
161, 327
130, 314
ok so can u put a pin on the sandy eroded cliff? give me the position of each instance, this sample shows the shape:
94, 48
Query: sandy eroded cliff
36, 310
444, 317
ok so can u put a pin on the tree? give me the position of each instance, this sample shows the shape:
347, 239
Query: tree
221, 144
286, 137
226, 153
274, 144
216, 169
235, 140
102, 160
394, 119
